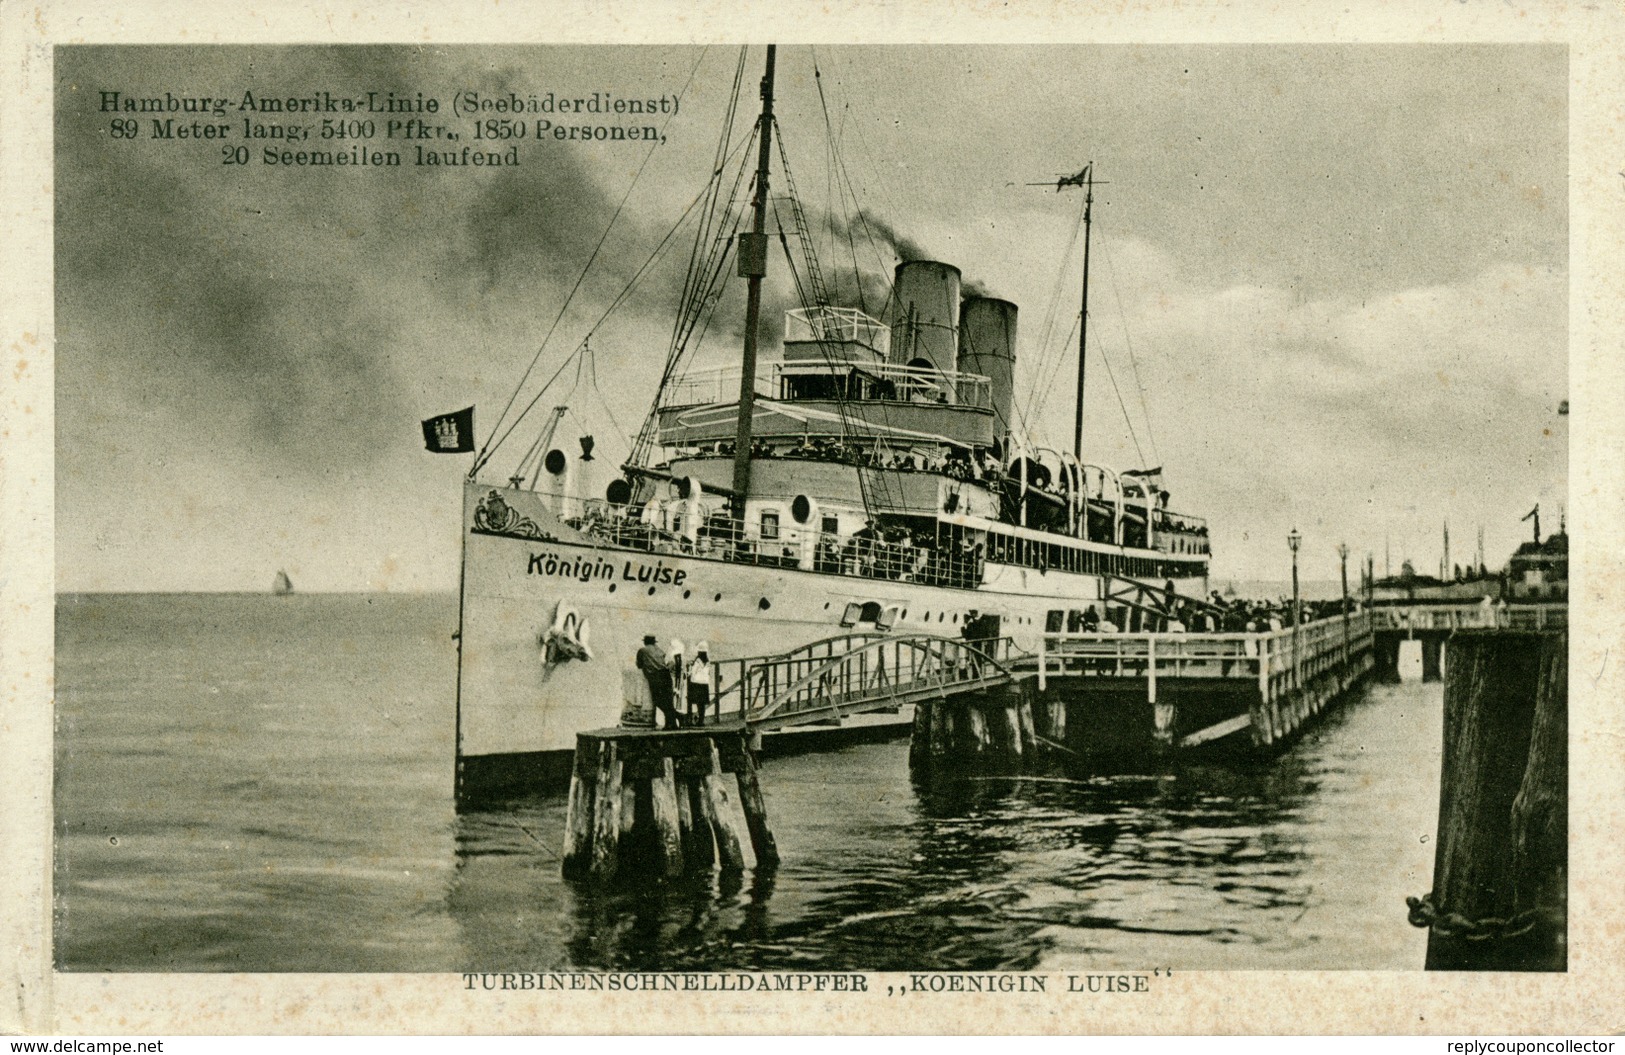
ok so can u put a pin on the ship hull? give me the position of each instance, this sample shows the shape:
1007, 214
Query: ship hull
529, 579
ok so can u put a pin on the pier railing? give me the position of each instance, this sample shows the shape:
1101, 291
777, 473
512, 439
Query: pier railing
1421, 617
1275, 660
855, 673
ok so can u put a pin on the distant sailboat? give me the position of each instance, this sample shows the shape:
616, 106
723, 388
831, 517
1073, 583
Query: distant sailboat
283, 585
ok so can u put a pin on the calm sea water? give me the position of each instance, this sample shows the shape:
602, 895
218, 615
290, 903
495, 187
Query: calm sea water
250, 783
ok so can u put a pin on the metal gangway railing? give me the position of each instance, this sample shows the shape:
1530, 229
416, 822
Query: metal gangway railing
856, 673
1277, 660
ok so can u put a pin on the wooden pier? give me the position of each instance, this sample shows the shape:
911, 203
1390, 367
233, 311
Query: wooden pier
1184, 690
690, 799
662, 797
1410, 639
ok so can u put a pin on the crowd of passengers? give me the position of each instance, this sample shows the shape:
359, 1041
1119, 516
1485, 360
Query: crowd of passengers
1218, 616
896, 553
956, 464
1238, 615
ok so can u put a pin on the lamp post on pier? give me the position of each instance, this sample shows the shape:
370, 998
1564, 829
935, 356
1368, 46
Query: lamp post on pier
1343, 560
1343, 563
1293, 541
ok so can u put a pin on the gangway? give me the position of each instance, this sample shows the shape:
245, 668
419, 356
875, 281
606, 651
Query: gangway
850, 674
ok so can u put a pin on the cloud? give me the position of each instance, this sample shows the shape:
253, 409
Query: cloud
1400, 409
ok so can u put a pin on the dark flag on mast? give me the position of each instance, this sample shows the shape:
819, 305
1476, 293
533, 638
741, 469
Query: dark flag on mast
1073, 181
450, 433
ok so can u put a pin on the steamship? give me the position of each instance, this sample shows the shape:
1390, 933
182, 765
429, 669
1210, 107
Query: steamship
865, 476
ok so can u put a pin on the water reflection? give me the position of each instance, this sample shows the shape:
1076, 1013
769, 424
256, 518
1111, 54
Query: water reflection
886, 872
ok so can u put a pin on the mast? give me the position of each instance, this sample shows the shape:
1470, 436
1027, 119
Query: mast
753, 266
1083, 319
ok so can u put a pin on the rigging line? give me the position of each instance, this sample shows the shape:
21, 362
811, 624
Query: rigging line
1122, 317
702, 246
1046, 355
593, 329
1049, 360
718, 252
702, 303
843, 413
829, 155
837, 164
1053, 364
864, 150
1104, 358
844, 191
488, 450
868, 155
704, 311
592, 374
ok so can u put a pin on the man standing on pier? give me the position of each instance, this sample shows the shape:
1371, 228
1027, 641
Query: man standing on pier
652, 663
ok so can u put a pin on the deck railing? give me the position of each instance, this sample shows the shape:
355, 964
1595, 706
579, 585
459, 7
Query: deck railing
721, 537
884, 382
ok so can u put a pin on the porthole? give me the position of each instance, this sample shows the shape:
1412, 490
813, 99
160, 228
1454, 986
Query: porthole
764, 604
611, 587
686, 594
718, 597
651, 591
826, 606
904, 615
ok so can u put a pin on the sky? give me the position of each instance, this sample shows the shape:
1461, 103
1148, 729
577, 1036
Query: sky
1328, 286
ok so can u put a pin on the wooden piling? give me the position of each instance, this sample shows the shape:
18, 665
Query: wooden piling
1024, 714
629, 806
755, 807
606, 827
1540, 813
1012, 731
578, 817
660, 804
666, 815
719, 813
919, 740
700, 852
942, 730
1501, 861
977, 741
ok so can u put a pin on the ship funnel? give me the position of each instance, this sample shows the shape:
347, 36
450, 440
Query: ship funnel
925, 330
987, 346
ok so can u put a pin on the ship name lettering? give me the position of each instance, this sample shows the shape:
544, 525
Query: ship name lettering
583, 569
659, 575
976, 983
1108, 983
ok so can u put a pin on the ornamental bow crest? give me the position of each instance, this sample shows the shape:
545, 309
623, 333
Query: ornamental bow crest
496, 517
